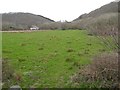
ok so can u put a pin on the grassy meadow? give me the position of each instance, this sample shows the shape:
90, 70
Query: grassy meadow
48, 59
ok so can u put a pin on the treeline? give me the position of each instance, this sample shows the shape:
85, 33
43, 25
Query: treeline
46, 26
9, 27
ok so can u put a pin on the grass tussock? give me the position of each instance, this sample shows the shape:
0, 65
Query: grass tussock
70, 50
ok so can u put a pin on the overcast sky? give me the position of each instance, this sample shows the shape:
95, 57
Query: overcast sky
54, 9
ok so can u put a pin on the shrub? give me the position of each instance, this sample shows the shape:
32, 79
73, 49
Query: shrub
7, 73
105, 28
103, 69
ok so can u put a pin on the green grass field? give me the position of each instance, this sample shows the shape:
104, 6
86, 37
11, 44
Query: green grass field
48, 58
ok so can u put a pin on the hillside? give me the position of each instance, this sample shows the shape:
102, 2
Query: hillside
104, 14
23, 20
108, 8
101, 20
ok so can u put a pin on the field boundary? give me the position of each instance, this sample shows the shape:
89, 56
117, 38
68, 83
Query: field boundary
26, 30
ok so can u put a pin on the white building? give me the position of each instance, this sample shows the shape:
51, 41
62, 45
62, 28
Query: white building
34, 28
